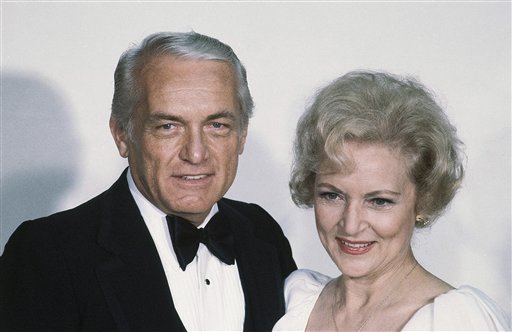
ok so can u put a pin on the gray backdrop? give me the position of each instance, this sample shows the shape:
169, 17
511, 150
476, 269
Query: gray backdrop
58, 60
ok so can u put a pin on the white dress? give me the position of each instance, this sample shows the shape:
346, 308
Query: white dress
463, 309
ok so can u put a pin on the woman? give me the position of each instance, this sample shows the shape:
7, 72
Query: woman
376, 157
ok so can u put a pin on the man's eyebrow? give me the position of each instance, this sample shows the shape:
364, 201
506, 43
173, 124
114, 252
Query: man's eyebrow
169, 117
221, 115
163, 116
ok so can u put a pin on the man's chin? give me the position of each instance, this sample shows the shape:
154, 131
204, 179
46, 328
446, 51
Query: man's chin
195, 210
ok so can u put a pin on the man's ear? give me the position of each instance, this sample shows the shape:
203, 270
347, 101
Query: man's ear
242, 140
120, 137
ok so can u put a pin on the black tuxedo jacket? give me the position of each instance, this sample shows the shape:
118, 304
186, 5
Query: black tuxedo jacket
96, 268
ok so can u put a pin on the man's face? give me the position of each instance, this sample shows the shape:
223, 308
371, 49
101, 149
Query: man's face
187, 136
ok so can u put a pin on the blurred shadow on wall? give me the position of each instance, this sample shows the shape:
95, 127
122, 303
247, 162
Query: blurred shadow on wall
39, 150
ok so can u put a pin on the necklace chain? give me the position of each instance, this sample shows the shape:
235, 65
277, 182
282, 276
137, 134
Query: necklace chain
379, 305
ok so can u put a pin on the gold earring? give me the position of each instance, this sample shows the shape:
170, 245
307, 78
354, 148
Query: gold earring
421, 220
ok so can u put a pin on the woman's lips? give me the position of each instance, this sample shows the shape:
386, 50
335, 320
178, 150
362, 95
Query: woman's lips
354, 247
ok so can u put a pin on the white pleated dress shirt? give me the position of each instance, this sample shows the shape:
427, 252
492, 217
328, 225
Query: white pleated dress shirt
208, 295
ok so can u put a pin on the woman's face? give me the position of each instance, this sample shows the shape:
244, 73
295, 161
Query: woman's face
365, 217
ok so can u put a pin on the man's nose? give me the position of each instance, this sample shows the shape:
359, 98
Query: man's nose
194, 149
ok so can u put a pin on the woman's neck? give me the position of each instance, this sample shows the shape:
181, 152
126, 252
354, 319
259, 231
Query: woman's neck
358, 300
361, 291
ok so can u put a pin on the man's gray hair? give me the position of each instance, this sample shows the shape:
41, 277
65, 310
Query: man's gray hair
185, 45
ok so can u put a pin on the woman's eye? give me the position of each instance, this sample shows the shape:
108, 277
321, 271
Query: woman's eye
381, 202
330, 196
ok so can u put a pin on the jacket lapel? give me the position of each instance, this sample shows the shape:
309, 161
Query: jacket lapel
257, 264
133, 280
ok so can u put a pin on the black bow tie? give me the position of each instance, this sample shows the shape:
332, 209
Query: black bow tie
186, 237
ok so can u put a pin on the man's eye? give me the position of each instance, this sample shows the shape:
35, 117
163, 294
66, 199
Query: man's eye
217, 125
219, 128
167, 126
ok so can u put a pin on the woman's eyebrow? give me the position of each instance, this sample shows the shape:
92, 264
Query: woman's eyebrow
380, 192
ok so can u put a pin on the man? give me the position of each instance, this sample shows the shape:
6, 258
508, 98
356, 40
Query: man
180, 113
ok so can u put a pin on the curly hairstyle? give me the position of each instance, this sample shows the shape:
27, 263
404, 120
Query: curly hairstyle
380, 108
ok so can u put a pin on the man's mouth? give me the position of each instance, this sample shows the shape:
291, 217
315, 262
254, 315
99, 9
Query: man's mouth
193, 177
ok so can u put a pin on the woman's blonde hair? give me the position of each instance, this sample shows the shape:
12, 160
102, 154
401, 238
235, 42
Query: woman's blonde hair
380, 108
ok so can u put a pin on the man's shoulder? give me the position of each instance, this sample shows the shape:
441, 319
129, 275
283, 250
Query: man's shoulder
248, 210
84, 210
254, 225
81, 220
73, 230
252, 215
237, 204
78, 218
